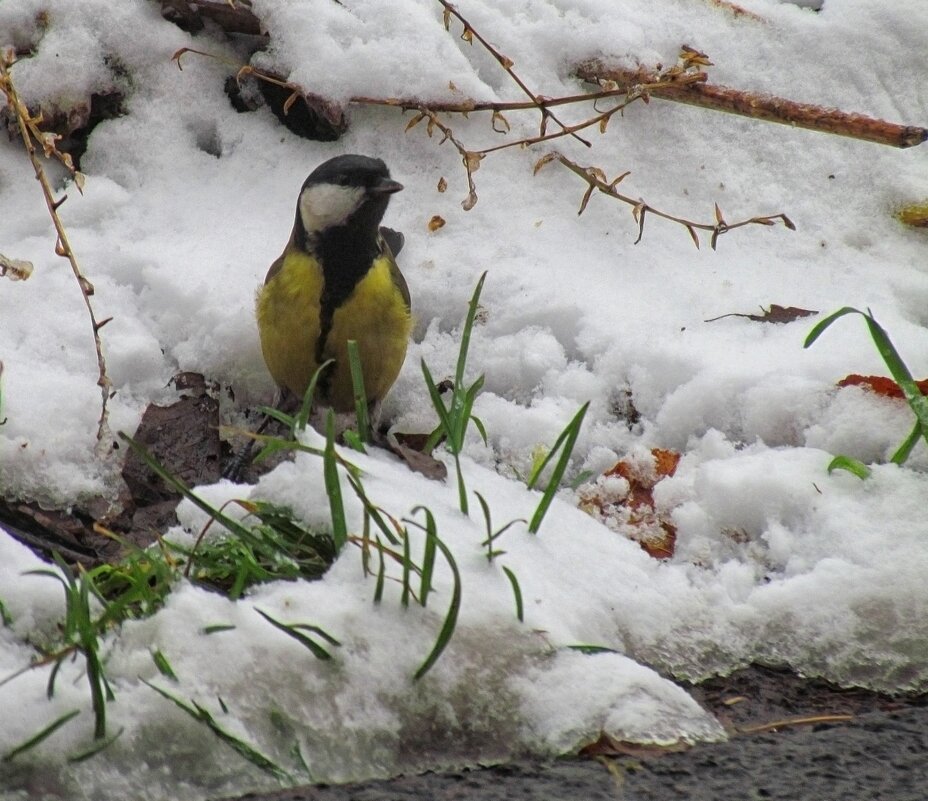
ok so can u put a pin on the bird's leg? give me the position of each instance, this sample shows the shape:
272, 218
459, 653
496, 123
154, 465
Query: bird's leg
286, 402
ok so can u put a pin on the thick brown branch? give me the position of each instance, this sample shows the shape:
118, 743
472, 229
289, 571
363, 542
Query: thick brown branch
759, 106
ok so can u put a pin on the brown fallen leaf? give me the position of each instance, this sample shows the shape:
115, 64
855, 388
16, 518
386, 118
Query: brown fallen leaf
409, 448
633, 513
775, 314
435, 223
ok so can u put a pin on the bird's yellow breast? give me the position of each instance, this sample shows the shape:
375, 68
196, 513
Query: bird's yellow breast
375, 314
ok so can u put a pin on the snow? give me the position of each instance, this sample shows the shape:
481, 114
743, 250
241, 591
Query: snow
777, 561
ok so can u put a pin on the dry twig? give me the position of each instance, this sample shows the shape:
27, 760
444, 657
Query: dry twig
30, 133
596, 180
506, 63
758, 106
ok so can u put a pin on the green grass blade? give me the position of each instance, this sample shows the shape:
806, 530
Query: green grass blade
485, 508
466, 332
407, 568
900, 372
444, 421
317, 650
849, 464
451, 618
481, 429
517, 593
37, 738
218, 628
592, 650
332, 486
164, 667
905, 449
381, 573
302, 417
317, 630
917, 401
428, 557
95, 748
371, 509
204, 716
52, 675
462, 489
820, 327
360, 394
570, 440
6, 619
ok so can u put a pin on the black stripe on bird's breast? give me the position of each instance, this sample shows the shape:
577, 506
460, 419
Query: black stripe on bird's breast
346, 259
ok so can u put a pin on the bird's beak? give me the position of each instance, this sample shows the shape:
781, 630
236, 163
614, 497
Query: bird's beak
386, 186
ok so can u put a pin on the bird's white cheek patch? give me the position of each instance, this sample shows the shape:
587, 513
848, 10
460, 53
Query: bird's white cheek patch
328, 205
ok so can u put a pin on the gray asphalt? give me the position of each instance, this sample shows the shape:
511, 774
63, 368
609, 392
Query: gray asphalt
880, 756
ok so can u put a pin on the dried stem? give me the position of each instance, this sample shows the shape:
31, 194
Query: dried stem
596, 181
30, 133
470, 158
759, 106
506, 63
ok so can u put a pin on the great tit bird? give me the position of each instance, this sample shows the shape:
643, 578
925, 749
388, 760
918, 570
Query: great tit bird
337, 280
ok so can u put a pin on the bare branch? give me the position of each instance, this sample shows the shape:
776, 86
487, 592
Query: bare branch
596, 180
506, 63
30, 133
758, 106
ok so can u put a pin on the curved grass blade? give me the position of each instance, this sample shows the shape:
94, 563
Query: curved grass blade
517, 592
164, 667
451, 618
95, 748
566, 441
850, 464
290, 630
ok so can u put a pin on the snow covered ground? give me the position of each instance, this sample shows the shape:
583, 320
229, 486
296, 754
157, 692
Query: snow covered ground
186, 204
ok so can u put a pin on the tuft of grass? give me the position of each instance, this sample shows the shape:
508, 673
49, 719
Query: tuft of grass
81, 633
565, 443
137, 585
454, 419
901, 374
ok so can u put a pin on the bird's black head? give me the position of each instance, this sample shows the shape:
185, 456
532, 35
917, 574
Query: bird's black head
346, 192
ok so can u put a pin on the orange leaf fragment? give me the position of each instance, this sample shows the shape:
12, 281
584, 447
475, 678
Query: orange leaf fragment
628, 506
881, 385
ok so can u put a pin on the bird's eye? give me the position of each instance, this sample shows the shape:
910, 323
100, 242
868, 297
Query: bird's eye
342, 180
